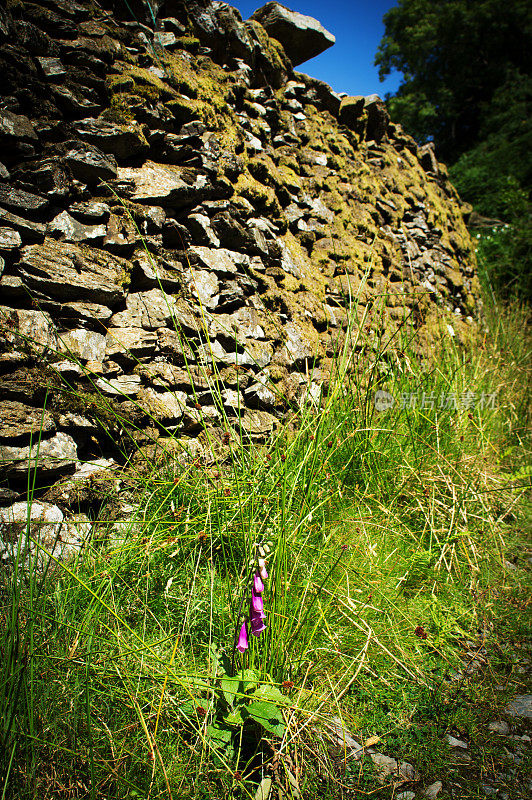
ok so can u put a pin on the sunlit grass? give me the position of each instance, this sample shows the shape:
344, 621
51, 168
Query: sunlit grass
390, 534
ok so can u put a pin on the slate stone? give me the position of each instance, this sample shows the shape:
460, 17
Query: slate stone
164, 184
521, 706
128, 385
351, 110
149, 310
203, 285
16, 127
21, 201
163, 406
26, 329
75, 105
56, 454
89, 164
64, 271
123, 141
220, 261
90, 210
302, 37
71, 230
21, 421
51, 68
83, 344
9, 239
60, 538
29, 231
378, 118
130, 343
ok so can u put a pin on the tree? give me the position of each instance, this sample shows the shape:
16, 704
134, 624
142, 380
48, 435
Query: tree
454, 55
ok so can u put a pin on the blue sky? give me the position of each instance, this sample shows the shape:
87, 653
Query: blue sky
357, 25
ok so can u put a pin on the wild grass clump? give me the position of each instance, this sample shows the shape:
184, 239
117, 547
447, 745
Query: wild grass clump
386, 527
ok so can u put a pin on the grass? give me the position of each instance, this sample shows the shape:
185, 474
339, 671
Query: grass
395, 601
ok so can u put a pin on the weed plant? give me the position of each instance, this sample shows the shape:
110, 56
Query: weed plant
387, 528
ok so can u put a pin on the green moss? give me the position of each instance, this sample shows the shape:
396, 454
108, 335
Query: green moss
257, 194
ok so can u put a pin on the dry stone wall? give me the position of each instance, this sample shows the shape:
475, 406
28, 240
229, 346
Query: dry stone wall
180, 210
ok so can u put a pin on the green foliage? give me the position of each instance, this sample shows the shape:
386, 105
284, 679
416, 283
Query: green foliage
390, 532
467, 87
454, 55
495, 175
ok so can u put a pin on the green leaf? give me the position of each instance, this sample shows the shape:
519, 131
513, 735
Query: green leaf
267, 715
267, 691
218, 737
231, 687
234, 717
250, 678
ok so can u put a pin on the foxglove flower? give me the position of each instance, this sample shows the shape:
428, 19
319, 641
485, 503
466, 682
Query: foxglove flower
256, 601
262, 569
243, 642
256, 619
258, 586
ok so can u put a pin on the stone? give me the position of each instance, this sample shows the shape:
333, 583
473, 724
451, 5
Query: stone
521, 706
93, 481
90, 210
64, 271
165, 184
377, 118
131, 343
9, 239
88, 163
121, 234
20, 200
16, 126
76, 103
200, 227
433, 790
71, 230
42, 530
351, 109
123, 141
163, 406
149, 310
221, 261
21, 421
29, 231
499, 726
257, 424
302, 37
51, 68
427, 158
56, 454
456, 743
203, 286
83, 344
242, 324
320, 94
390, 768
33, 331
123, 385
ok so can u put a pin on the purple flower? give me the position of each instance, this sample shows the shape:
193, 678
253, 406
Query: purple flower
256, 601
257, 621
258, 586
243, 642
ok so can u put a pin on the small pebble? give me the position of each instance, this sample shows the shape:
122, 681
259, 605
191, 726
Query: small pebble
452, 742
433, 790
500, 726
405, 796
521, 706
